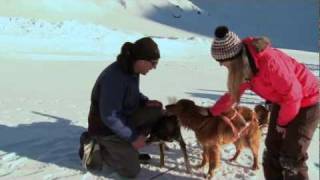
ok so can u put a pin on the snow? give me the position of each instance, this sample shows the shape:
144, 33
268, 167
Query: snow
51, 53
291, 24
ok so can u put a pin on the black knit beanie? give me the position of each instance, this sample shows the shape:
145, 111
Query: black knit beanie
143, 49
146, 49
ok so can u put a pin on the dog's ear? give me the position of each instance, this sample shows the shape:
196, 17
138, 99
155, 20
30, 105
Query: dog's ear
263, 114
187, 105
260, 109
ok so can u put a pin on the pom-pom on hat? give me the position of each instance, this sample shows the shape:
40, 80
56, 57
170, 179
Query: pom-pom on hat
226, 44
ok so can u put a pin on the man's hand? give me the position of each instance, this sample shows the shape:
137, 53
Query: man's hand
139, 142
154, 103
282, 131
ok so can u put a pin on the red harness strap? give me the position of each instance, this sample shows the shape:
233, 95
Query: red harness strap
228, 120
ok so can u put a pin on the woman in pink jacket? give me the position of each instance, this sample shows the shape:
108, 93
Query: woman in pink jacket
275, 76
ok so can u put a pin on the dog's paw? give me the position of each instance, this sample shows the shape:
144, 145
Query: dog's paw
188, 169
198, 166
208, 176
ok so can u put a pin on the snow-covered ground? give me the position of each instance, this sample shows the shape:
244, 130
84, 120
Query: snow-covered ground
52, 51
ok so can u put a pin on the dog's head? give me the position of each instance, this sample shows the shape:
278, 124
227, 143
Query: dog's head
166, 129
263, 114
189, 114
183, 105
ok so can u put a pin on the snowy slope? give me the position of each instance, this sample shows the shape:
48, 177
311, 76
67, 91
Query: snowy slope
291, 24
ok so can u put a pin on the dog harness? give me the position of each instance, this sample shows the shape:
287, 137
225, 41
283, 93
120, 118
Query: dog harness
228, 120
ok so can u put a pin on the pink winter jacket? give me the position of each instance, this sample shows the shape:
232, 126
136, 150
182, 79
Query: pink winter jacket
280, 79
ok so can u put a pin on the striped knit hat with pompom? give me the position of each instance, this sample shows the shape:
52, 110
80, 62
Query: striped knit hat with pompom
226, 44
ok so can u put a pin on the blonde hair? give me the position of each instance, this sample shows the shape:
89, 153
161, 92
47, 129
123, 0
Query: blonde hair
238, 72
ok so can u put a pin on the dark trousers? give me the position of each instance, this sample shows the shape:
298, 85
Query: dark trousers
118, 153
285, 159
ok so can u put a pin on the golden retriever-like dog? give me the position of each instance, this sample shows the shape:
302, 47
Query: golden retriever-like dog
213, 131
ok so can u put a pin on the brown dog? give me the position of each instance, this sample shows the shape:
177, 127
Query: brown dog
263, 115
213, 131
167, 129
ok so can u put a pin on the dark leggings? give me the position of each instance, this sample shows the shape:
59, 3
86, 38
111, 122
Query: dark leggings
286, 158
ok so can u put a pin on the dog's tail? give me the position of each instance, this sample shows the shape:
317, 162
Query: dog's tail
172, 100
263, 115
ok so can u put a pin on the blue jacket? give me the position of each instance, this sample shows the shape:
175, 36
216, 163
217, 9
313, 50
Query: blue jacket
115, 96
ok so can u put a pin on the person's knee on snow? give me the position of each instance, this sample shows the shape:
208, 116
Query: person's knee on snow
130, 171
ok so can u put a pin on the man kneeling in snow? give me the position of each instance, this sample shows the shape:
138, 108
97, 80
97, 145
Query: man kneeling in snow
120, 115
